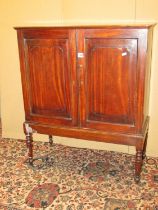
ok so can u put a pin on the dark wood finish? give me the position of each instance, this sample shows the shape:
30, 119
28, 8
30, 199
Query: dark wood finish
87, 82
48, 76
110, 82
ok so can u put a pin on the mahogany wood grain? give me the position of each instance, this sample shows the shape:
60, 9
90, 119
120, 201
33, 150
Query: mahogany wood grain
110, 81
88, 82
48, 69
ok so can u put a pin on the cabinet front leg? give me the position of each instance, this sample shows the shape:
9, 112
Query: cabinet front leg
138, 164
29, 141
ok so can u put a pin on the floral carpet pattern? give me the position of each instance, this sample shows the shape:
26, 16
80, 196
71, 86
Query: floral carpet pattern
67, 178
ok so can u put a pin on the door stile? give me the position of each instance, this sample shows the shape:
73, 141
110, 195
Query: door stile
81, 76
74, 83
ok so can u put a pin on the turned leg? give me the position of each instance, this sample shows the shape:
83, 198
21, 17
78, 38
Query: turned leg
29, 141
138, 164
144, 147
50, 140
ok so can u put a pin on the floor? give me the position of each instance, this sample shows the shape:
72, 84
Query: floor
67, 178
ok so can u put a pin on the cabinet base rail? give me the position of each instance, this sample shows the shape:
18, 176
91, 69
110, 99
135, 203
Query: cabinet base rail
139, 143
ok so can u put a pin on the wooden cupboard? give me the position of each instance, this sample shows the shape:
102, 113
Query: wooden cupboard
89, 82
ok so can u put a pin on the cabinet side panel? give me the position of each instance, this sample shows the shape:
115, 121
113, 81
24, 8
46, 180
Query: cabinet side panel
147, 76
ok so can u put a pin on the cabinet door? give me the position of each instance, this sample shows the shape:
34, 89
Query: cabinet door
48, 75
107, 80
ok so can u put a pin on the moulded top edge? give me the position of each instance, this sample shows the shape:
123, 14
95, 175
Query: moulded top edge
136, 26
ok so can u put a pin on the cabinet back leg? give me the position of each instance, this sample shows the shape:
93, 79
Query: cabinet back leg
144, 147
50, 140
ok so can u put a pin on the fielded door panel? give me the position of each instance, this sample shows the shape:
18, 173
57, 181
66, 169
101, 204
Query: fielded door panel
107, 81
50, 75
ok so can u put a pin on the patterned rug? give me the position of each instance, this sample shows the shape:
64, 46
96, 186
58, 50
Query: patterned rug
66, 178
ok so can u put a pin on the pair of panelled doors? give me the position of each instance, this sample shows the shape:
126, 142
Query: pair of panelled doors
85, 78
